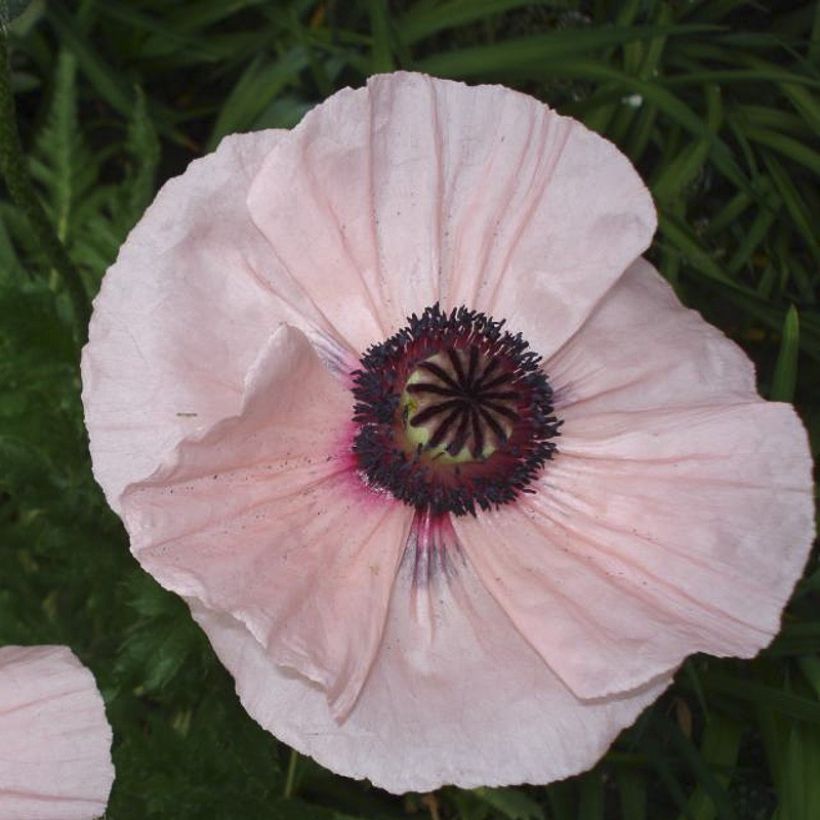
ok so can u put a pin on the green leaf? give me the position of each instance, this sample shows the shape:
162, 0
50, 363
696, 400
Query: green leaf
541, 51
719, 749
800, 793
632, 790
562, 800
258, 85
9, 9
61, 161
766, 697
382, 57
810, 667
143, 146
787, 146
426, 18
679, 172
108, 83
795, 203
785, 371
797, 638
510, 803
592, 797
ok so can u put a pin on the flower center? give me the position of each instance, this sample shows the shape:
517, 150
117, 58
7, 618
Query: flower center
453, 413
458, 406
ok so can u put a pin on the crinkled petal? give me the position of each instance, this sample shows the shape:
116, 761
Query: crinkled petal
195, 293
652, 535
642, 349
454, 697
263, 517
430, 190
55, 742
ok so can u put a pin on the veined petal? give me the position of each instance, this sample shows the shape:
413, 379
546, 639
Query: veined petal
653, 535
460, 699
262, 517
181, 316
55, 742
415, 190
642, 349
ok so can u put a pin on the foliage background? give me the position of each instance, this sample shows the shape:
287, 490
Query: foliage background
716, 103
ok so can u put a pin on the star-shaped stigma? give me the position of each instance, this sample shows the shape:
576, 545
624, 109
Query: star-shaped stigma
463, 400
453, 412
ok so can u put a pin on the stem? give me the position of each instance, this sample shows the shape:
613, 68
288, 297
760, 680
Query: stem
18, 182
290, 780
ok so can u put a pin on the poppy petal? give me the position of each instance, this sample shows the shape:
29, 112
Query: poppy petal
455, 696
55, 757
652, 535
182, 314
259, 517
641, 349
432, 191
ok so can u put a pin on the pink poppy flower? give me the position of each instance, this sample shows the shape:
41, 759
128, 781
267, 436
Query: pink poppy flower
426, 554
55, 743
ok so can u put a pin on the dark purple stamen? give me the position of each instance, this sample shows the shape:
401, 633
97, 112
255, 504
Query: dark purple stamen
454, 413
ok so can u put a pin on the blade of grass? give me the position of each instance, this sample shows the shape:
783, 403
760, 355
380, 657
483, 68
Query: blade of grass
600, 118
805, 104
793, 200
382, 53
510, 803
115, 91
424, 19
765, 696
800, 792
658, 760
810, 667
787, 146
785, 370
648, 56
678, 173
680, 236
632, 791
261, 81
537, 51
753, 236
562, 800
719, 750
592, 797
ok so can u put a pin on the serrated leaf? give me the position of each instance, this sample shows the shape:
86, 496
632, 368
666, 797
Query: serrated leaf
142, 144
61, 162
9, 9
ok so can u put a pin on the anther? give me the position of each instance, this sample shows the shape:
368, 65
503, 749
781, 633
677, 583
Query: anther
453, 412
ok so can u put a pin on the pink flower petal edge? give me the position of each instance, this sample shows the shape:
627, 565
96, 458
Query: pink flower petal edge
455, 696
182, 315
391, 218
261, 518
678, 514
55, 742
415, 190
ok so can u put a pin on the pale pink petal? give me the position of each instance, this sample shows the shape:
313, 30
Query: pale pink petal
455, 696
55, 742
652, 535
642, 349
264, 518
195, 293
430, 190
